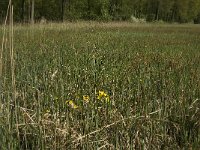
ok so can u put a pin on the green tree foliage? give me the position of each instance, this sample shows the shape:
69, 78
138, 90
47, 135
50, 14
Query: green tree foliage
3, 7
60, 10
166, 10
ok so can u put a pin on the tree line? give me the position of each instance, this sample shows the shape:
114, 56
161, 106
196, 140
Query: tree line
104, 10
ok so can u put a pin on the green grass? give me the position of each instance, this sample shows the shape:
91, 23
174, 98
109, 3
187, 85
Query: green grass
150, 72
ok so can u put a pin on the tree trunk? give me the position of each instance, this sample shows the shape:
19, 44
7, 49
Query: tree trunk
32, 11
88, 9
62, 10
22, 10
157, 12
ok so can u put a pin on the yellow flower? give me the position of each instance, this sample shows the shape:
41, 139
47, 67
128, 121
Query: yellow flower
103, 95
72, 104
47, 111
86, 98
107, 99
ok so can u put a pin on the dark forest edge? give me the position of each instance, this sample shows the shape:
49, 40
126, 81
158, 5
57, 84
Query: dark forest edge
181, 11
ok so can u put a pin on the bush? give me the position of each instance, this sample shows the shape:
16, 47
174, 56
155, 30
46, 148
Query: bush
137, 20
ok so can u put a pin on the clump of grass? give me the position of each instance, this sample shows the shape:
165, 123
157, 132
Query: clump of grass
102, 86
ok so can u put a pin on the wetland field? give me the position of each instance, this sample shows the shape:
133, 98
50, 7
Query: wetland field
90, 85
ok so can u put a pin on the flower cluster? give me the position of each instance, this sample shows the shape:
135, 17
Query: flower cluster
102, 96
71, 104
86, 98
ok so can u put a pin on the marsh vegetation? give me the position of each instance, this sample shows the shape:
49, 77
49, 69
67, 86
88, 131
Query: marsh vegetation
100, 86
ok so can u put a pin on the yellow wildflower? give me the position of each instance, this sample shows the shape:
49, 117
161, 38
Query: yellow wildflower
47, 111
72, 104
107, 99
103, 95
86, 98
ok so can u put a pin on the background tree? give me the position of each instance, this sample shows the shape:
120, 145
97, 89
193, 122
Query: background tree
60, 10
32, 11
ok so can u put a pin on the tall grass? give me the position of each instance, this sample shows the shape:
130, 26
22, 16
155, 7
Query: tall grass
150, 73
